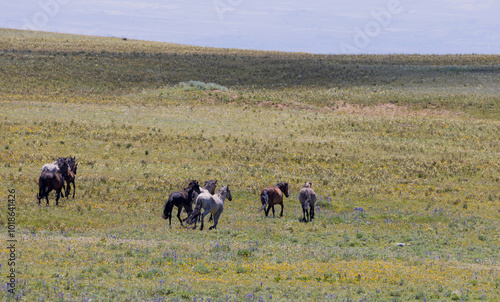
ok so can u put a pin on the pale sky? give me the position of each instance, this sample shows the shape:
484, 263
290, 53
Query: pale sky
327, 27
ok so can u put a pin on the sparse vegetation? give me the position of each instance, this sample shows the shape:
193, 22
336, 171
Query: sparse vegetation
403, 152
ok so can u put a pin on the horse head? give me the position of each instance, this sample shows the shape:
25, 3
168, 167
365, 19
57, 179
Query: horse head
283, 186
226, 192
63, 165
210, 185
193, 187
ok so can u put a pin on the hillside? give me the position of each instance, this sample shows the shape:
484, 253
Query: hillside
103, 68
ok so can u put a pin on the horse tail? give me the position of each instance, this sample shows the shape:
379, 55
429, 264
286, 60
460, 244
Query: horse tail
264, 197
306, 203
196, 212
308, 199
42, 187
167, 211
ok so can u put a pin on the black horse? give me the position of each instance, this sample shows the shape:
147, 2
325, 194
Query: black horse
180, 199
49, 181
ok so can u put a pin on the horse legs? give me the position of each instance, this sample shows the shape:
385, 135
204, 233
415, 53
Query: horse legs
281, 214
216, 220
311, 217
203, 218
74, 189
47, 192
272, 207
58, 195
179, 214
267, 210
68, 189
63, 187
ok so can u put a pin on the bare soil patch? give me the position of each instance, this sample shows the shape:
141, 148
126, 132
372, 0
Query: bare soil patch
389, 109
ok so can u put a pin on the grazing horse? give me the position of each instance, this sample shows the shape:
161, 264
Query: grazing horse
273, 195
49, 181
307, 198
180, 199
213, 204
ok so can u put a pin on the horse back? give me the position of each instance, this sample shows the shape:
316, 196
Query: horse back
307, 193
50, 168
275, 195
52, 180
177, 197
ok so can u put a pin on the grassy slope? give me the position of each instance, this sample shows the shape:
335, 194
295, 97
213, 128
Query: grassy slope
411, 139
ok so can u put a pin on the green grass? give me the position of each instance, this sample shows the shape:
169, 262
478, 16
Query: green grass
413, 140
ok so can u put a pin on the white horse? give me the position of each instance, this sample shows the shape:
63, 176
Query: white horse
213, 204
50, 167
307, 198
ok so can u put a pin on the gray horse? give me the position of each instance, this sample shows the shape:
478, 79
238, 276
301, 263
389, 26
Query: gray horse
307, 198
213, 204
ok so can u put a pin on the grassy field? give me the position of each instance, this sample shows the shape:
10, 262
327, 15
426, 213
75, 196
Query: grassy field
400, 149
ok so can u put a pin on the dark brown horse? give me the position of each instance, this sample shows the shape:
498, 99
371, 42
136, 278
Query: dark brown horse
70, 177
49, 181
180, 199
273, 195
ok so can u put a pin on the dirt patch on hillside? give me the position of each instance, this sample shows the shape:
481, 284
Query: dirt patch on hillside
217, 96
343, 107
388, 109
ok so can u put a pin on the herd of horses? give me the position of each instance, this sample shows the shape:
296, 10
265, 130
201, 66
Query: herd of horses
61, 174
205, 199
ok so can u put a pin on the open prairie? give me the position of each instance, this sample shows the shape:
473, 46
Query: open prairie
403, 152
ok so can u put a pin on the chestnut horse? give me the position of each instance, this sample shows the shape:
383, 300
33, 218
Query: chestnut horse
307, 198
180, 199
273, 195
